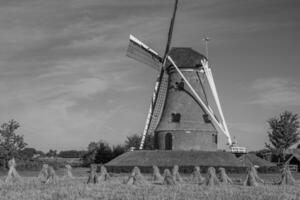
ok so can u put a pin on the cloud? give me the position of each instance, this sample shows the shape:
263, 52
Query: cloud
276, 92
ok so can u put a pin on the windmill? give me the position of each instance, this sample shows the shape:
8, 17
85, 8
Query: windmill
180, 114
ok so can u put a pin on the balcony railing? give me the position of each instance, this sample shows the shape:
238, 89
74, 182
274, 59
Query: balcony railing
238, 149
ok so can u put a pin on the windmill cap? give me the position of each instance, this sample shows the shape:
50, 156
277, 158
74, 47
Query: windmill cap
186, 57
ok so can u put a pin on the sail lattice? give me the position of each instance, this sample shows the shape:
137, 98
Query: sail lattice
159, 104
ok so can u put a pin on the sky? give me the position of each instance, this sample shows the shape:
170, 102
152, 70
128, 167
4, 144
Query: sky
65, 77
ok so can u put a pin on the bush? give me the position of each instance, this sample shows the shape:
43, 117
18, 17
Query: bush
101, 152
71, 154
29, 164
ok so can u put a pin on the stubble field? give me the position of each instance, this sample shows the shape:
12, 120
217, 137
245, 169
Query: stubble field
77, 189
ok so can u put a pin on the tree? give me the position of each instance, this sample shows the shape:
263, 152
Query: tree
51, 153
71, 154
104, 153
135, 140
89, 156
93, 146
118, 150
149, 142
283, 133
40, 153
98, 152
28, 153
11, 144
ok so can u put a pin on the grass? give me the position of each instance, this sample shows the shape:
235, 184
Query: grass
77, 189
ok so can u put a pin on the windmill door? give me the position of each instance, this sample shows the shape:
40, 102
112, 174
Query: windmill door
168, 141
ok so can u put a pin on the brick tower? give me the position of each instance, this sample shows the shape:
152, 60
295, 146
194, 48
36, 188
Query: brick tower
184, 125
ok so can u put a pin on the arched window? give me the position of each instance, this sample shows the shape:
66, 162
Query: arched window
215, 138
168, 141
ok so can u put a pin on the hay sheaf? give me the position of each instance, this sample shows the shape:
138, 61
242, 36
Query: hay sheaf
68, 172
52, 177
93, 176
287, 177
196, 177
223, 177
212, 179
43, 175
176, 175
136, 178
252, 178
156, 176
104, 176
168, 178
12, 176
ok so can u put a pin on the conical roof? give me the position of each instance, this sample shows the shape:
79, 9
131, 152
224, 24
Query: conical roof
185, 57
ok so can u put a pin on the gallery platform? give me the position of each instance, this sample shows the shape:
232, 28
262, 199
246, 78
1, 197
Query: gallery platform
186, 160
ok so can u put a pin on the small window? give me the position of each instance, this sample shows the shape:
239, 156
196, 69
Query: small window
206, 118
216, 139
176, 117
180, 85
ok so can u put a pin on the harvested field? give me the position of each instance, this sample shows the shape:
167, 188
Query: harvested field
31, 188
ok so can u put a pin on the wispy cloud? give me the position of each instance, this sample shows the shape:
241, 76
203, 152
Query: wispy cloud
276, 91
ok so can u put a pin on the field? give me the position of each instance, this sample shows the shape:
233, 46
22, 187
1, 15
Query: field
77, 189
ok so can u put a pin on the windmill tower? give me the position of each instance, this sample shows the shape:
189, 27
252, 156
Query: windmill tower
180, 115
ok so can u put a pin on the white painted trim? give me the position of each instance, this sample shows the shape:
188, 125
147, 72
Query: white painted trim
213, 88
207, 109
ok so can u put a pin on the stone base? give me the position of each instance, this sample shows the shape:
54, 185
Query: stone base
186, 160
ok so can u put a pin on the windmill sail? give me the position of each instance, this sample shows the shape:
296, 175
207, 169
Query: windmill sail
170, 34
161, 87
213, 88
159, 104
156, 106
142, 53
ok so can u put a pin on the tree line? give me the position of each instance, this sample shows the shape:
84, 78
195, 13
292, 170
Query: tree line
12, 145
283, 133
